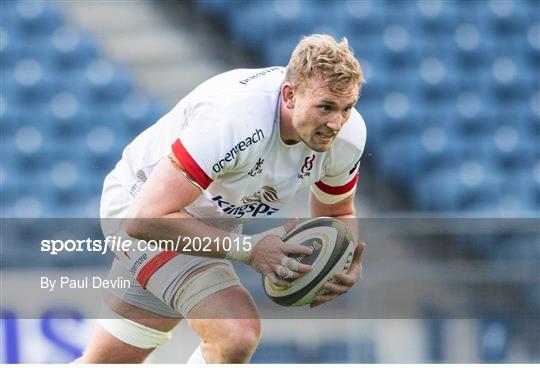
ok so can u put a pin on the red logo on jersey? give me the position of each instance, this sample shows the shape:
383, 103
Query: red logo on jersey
308, 164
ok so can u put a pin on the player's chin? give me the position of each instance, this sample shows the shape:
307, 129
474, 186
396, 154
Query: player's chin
321, 145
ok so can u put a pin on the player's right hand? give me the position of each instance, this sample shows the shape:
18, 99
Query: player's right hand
269, 255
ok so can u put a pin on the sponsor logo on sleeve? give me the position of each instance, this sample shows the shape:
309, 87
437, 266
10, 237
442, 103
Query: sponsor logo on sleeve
241, 146
138, 263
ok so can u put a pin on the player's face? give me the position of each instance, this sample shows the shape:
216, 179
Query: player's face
319, 114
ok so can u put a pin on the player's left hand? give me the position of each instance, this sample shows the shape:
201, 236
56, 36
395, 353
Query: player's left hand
346, 280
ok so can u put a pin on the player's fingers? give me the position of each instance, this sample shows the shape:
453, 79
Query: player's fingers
291, 263
359, 252
285, 273
303, 268
297, 249
325, 298
295, 266
289, 225
356, 264
346, 279
277, 281
335, 288
315, 304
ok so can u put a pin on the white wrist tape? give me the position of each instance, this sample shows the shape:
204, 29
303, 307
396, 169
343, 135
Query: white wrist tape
242, 252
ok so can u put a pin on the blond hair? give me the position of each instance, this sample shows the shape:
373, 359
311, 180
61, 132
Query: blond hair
320, 55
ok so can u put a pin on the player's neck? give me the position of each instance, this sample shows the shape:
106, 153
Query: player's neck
286, 130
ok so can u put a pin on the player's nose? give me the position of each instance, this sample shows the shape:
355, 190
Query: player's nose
334, 123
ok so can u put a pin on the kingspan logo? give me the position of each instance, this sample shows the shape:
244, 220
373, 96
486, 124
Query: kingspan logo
252, 205
231, 155
266, 193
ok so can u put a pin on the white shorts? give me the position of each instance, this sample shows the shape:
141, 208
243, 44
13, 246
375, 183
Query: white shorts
160, 289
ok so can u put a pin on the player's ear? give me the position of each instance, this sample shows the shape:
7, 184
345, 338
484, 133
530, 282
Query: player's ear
287, 94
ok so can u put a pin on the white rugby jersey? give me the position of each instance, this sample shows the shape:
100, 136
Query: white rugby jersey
226, 134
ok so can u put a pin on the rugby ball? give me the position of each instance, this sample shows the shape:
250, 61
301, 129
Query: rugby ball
333, 249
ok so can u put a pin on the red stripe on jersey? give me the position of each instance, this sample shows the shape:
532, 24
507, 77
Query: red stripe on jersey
153, 265
189, 164
337, 190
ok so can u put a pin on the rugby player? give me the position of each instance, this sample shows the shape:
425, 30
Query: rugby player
237, 148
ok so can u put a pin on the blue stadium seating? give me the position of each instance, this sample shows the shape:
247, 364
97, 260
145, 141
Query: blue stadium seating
64, 113
36, 18
73, 48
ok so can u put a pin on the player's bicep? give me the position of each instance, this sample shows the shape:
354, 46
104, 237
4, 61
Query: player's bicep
167, 190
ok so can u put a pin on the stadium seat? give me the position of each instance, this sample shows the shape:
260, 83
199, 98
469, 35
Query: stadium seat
73, 48
249, 23
364, 18
469, 186
397, 129
438, 84
374, 67
9, 111
508, 17
518, 190
29, 81
69, 115
510, 81
139, 112
478, 198
37, 18
532, 50
513, 150
401, 168
31, 198
473, 46
217, 8
106, 82
27, 150
401, 52
475, 117
436, 18
10, 46
277, 50
109, 115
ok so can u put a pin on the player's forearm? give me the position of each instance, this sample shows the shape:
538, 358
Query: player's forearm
344, 210
187, 235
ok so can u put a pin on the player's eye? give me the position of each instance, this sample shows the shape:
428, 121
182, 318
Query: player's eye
324, 108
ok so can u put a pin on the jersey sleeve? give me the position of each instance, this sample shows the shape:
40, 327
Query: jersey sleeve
213, 142
341, 172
